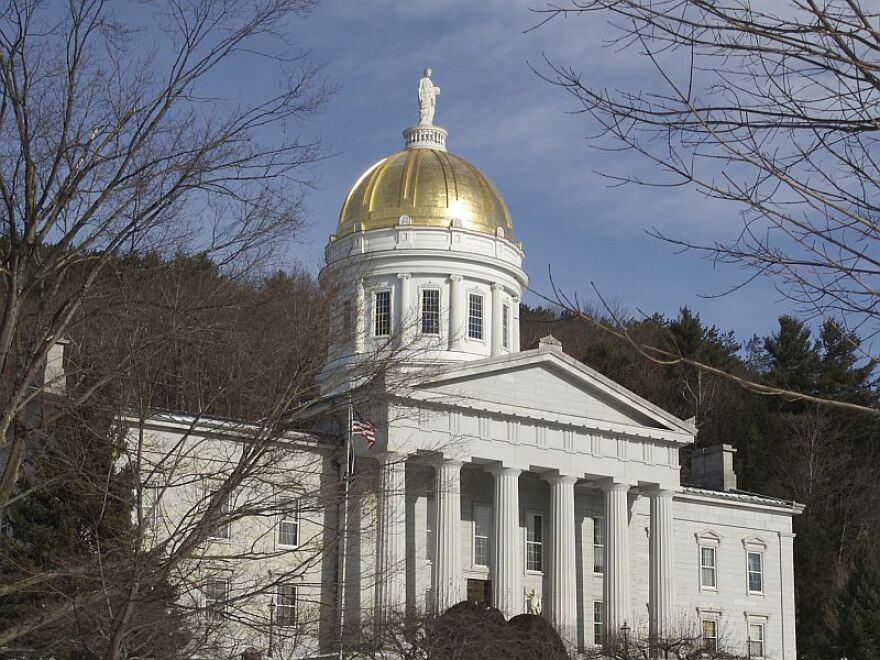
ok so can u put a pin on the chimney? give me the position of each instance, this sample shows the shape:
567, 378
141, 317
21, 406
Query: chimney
550, 343
712, 467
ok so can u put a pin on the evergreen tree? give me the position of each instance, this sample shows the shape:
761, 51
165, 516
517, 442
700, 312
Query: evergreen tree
822, 457
77, 523
843, 372
815, 585
793, 357
860, 609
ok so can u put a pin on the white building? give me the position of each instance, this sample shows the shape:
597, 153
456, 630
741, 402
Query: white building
499, 471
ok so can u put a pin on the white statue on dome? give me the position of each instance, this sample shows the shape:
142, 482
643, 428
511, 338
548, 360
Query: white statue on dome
428, 94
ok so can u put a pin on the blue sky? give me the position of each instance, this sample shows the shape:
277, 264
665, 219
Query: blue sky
520, 132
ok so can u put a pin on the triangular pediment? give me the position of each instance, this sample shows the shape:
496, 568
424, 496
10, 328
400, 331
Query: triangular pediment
545, 383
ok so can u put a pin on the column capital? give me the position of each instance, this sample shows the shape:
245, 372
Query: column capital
447, 462
557, 478
498, 470
391, 456
403, 276
615, 486
658, 491
497, 286
456, 278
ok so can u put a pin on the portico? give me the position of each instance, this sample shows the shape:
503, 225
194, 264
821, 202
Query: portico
542, 485
562, 541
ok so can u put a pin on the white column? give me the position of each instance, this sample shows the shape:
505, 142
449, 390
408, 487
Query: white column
456, 327
497, 290
448, 577
563, 570
391, 558
617, 569
507, 549
786, 582
360, 319
406, 318
661, 583
514, 325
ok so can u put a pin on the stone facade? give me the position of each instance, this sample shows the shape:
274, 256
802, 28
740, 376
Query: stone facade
470, 493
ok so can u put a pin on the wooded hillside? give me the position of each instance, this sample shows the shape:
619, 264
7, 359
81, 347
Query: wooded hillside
824, 458
180, 334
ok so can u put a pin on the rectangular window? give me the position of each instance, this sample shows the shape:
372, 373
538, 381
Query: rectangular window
288, 530
598, 545
429, 528
535, 542
216, 597
482, 525
756, 640
382, 314
475, 316
756, 572
152, 504
707, 567
430, 311
505, 326
710, 635
598, 623
285, 608
222, 527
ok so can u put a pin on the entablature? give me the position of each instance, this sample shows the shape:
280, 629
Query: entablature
422, 404
586, 446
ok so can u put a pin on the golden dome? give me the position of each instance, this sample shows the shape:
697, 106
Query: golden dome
431, 186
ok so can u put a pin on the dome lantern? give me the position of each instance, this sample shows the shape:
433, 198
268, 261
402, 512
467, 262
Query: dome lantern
424, 182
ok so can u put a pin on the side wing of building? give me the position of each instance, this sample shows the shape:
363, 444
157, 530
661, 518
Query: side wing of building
261, 572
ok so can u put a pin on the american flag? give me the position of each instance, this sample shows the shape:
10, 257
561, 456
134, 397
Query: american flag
364, 428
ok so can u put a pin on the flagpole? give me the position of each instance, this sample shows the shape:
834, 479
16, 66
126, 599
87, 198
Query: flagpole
346, 480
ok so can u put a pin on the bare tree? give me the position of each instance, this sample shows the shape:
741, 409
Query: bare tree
773, 107
684, 642
143, 492
114, 143
116, 156
200, 484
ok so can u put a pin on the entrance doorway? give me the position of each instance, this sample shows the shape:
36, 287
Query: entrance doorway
479, 591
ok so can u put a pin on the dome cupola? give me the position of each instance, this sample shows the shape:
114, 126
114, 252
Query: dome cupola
430, 186
423, 260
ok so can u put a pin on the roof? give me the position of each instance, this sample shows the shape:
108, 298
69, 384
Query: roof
432, 188
225, 427
742, 497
